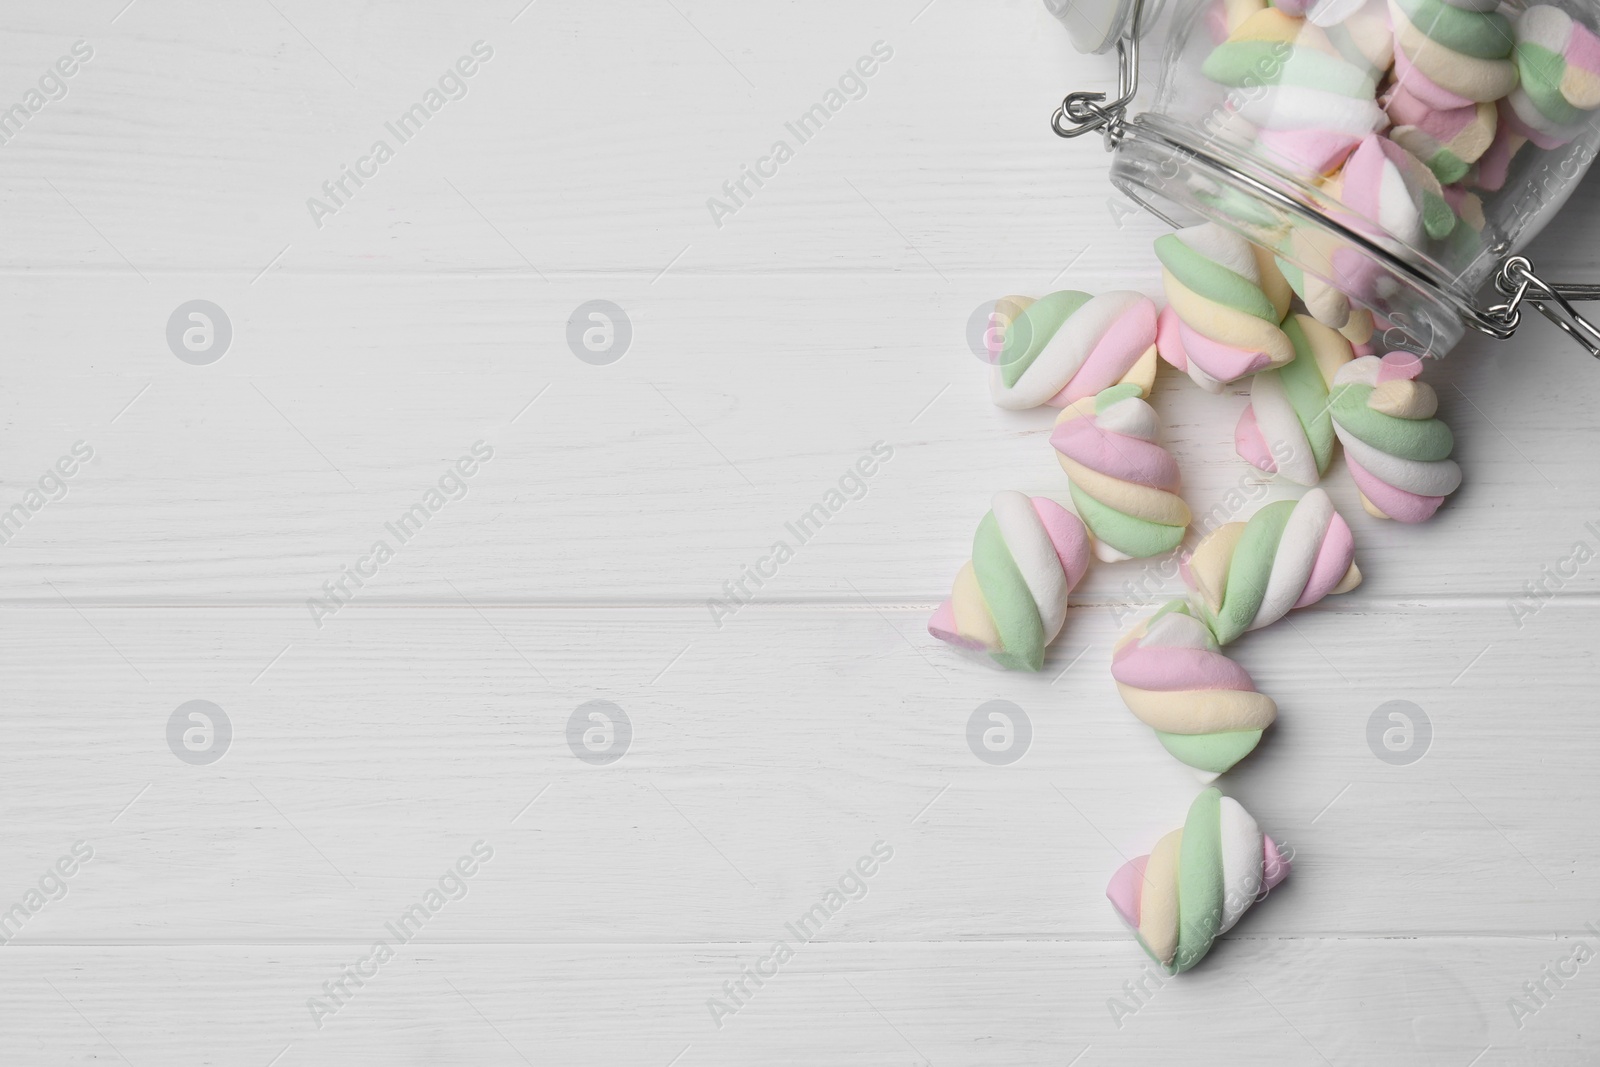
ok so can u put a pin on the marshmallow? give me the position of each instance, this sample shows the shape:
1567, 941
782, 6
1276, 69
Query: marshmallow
1246, 214
1197, 882
1358, 330
1070, 345
1559, 88
1226, 299
1359, 30
1010, 599
1490, 172
1465, 246
1226, 16
1389, 187
1449, 141
1397, 451
1124, 485
1329, 13
1346, 265
1327, 302
1001, 316
1468, 207
1451, 53
1203, 706
1311, 104
1288, 428
1291, 554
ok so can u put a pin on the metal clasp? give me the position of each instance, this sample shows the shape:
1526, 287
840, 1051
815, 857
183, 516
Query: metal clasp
1089, 111
1517, 281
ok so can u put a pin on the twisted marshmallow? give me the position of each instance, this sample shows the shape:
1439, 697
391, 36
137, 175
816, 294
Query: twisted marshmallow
1291, 554
1397, 451
1466, 244
1288, 428
1559, 63
1353, 271
1246, 214
1197, 882
1329, 304
1451, 53
1325, 303
1311, 104
1226, 299
1448, 141
1491, 172
1202, 705
1001, 316
1392, 189
1010, 599
1125, 486
1070, 345
1360, 30
1330, 13
1226, 16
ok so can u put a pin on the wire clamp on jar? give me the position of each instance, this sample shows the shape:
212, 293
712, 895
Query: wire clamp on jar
1089, 111
1517, 281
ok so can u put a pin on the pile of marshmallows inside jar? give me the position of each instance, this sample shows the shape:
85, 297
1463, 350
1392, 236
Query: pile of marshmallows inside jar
1404, 116
1403, 111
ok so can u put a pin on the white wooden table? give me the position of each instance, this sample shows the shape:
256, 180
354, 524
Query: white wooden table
367, 755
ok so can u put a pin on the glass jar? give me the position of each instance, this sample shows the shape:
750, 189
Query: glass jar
1398, 152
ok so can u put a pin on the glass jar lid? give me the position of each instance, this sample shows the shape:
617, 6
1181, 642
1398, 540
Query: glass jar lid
1095, 26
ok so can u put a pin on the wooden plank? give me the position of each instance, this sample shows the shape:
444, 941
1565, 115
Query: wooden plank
1434, 1002
587, 143
761, 759
663, 476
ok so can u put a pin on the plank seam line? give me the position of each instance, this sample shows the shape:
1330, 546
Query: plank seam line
1400, 605
1109, 939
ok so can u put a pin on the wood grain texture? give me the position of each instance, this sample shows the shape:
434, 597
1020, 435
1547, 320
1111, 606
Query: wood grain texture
771, 747
742, 795
972, 1003
740, 404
